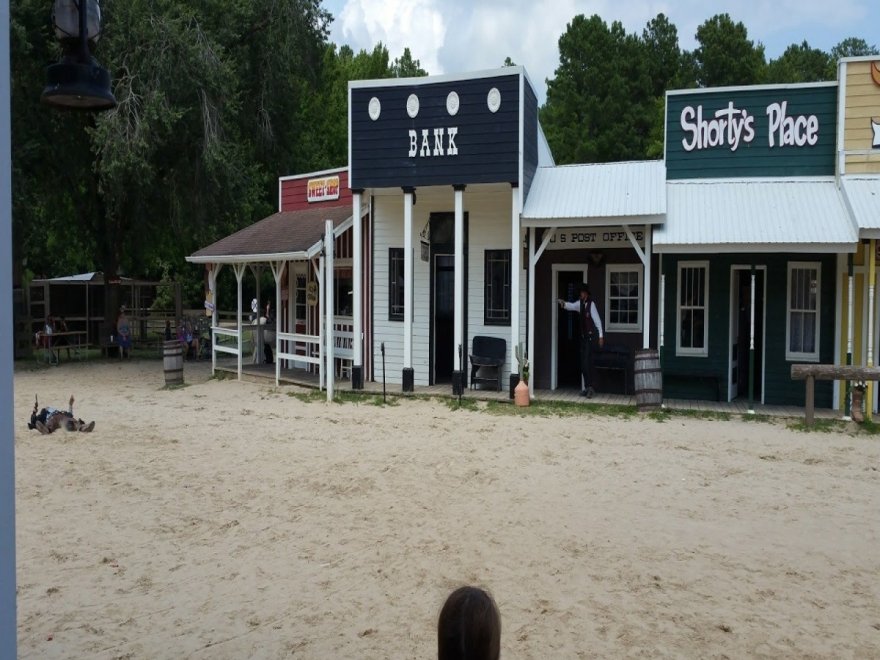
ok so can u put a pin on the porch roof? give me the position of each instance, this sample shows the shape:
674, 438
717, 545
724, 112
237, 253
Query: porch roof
756, 215
283, 236
597, 194
862, 195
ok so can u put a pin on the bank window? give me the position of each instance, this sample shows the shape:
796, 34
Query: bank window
496, 301
802, 324
395, 284
623, 293
692, 333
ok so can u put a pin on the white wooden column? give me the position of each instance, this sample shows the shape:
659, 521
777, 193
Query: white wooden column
239, 274
646, 316
458, 293
277, 272
328, 290
257, 334
531, 337
357, 367
322, 303
212, 287
408, 374
8, 624
515, 273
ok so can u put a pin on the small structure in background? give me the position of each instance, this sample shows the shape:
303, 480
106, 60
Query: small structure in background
80, 299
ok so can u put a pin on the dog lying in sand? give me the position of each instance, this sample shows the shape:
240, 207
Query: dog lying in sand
52, 419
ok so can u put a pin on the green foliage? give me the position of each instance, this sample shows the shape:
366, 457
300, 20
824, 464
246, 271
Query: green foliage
597, 103
853, 47
726, 56
801, 63
406, 67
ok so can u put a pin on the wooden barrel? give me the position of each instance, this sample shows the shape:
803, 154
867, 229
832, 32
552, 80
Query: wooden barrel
648, 379
173, 358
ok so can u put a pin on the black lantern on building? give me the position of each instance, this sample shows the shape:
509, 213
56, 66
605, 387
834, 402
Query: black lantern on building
77, 81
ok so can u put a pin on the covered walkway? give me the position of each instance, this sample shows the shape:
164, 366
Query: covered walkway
265, 373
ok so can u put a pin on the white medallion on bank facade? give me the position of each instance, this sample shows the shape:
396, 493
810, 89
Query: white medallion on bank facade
412, 106
493, 99
375, 108
452, 104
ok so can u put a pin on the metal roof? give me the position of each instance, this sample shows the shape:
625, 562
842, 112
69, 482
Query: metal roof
862, 195
756, 215
281, 236
598, 194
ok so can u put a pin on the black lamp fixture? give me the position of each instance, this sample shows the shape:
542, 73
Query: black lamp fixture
78, 82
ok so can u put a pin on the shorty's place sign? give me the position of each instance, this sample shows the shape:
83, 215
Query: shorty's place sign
442, 130
751, 131
322, 190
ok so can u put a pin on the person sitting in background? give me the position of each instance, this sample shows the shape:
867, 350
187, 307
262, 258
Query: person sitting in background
188, 339
123, 333
51, 419
469, 627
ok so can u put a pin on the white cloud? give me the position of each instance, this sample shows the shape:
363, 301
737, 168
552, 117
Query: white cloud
416, 24
453, 36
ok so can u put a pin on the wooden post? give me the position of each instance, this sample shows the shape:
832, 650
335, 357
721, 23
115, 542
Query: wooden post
810, 403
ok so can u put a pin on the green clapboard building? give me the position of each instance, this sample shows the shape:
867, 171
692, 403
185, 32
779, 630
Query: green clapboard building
754, 229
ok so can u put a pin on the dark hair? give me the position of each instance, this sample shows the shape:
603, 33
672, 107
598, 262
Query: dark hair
469, 627
583, 288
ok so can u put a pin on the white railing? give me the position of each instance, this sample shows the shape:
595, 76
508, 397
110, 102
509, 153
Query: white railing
288, 343
217, 331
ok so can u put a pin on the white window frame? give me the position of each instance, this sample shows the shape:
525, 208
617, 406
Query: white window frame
679, 349
795, 355
624, 268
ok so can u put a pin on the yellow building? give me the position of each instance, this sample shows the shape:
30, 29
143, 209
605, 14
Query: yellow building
858, 171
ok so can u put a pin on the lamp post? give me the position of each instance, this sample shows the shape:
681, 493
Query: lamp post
77, 81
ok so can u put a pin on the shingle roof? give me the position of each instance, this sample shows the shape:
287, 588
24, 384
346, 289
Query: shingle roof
281, 234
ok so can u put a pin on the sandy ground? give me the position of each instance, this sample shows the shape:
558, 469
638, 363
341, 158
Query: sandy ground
232, 520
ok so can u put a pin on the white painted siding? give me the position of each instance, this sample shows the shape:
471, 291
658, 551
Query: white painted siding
489, 210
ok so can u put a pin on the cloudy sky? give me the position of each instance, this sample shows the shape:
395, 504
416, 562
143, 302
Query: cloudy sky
453, 36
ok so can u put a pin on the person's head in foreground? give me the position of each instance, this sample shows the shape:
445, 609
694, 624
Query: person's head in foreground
469, 627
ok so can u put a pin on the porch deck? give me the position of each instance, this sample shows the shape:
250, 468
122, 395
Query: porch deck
300, 377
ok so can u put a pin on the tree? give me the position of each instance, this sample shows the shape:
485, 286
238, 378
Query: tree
725, 55
406, 67
599, 102
800, 63
852, 47
508, 62
662, 54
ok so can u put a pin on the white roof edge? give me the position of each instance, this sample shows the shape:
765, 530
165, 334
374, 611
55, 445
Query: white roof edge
858, 58
653, 161
817, 178
440, 78
763, 248
596, 221
741, 88
249, 258
333, 170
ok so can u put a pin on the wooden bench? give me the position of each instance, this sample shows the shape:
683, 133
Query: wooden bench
813, 372
487, 353
614, 358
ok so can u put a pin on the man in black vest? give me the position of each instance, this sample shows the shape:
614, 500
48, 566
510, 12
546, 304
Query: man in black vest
591, 327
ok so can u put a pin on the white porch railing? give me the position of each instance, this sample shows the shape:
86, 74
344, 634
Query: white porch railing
286, 346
